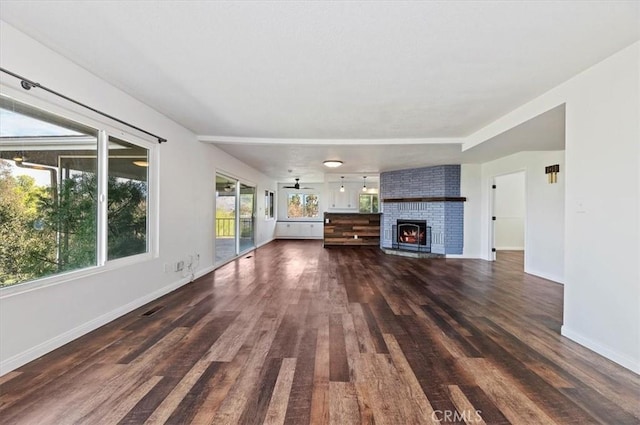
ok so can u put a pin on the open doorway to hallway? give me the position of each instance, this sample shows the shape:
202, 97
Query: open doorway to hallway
509, 213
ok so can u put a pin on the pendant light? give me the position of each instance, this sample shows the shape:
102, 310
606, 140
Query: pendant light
364, 183
341, 183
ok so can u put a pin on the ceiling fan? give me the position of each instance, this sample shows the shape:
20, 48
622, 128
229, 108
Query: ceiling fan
296, 186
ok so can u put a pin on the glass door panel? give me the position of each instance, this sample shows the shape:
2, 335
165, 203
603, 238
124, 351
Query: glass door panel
226, 224
247, 217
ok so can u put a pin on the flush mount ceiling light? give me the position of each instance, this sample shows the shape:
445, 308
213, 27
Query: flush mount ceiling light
342, 184
364, 183
18, 158
332, 163
141, 163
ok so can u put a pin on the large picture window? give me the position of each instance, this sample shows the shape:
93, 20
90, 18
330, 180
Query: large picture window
50, 181
302, 205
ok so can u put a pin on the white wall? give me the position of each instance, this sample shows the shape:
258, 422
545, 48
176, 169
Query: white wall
544, 223
471, 188
602, 296
33, 322
509, 211
602, 202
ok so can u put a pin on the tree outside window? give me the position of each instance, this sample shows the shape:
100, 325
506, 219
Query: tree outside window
49, 195
368, 203
302, 205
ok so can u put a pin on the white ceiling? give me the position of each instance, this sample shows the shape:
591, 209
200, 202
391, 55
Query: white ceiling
294, 72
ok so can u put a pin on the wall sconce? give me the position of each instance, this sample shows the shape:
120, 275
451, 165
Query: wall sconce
552, 173
342, 184
364, 183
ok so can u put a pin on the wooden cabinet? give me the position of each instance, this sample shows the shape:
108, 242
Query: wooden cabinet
284, 230
299, 230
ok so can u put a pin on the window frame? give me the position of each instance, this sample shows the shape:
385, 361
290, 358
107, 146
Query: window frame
126, 139
371, 196
303, 194
269, 205
104, 129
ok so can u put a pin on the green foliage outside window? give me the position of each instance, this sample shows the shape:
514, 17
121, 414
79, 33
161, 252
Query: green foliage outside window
301, 205
25, 252
368, 203
44, 233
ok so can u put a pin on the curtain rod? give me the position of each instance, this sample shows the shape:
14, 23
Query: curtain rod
28, 85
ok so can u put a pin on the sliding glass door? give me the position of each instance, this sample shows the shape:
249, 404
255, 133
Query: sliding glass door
234, 218
247, 217
225, 218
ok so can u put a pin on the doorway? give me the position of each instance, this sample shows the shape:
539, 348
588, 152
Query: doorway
234, 218
509, 217
246, 217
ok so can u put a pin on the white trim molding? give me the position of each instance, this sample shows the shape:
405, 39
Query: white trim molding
623, 360
39, 350
275, 141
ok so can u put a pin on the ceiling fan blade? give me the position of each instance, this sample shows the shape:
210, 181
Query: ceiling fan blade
295, 186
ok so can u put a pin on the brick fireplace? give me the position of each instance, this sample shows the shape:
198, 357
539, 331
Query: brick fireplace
431, 195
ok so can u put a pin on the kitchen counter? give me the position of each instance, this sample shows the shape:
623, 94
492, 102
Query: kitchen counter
351, 229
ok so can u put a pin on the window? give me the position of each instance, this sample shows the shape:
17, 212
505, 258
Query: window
302, 205
268, 204
50, 180
368, 203
127, 199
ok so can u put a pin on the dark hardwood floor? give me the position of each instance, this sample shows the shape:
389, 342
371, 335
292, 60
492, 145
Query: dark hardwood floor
296, 334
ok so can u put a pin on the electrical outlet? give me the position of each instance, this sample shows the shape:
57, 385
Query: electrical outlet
179, 266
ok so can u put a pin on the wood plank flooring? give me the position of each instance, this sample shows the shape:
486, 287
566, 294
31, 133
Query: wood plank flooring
294, 334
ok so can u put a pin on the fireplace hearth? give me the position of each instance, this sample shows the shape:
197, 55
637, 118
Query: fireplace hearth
412, 235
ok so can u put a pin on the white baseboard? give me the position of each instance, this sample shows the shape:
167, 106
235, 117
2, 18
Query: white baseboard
510, 248
464, 256
39, 350
203, 272
623, 360
266, 242
554, 278
300, 237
